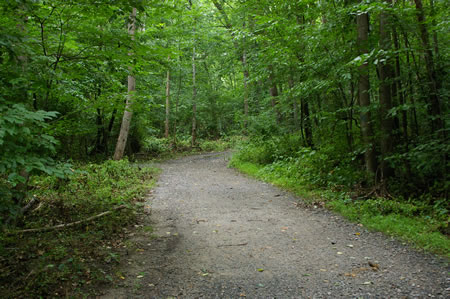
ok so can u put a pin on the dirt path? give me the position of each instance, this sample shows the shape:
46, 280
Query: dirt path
222, 235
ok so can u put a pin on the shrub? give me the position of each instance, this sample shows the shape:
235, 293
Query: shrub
156, 146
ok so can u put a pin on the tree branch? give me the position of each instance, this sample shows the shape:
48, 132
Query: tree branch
45, 229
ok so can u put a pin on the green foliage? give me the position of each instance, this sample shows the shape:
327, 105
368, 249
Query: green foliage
24, 150
55, 262
420, 221
23, 146
156, 146
163, 148
284, 157
411, 221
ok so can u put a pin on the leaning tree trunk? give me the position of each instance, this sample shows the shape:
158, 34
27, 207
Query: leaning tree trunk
128, 113
362, 21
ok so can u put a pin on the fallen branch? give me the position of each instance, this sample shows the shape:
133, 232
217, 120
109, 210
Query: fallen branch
59, 226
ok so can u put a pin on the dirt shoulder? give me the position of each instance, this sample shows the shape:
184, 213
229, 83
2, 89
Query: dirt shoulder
218, 234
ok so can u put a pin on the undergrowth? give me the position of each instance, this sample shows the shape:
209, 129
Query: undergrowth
163, 148
66, 261
321, 177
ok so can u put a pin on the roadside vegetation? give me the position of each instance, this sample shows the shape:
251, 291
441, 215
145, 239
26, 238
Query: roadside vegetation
68, 237
56, 262
327, 178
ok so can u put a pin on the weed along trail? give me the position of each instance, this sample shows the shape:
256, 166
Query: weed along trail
214, 233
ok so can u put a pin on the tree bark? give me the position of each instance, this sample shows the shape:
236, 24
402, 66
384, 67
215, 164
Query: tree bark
433, 84
246, 75
128, 113
166, 131
194, 100
386, 78
399, 89
362, 21
308, 126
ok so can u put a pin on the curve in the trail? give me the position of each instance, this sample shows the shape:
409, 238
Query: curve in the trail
223, 235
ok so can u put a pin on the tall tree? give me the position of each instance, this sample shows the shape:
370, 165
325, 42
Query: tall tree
242, 54
385, 93
166, 123
362, 20
128, 113
433, 82
194, 98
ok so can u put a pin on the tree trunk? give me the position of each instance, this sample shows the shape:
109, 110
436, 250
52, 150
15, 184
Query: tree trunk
362, 21
308, 126
274, 94
386, 78
245, 70
433, 23
166, 131
128, 113
399, 89
194, 100
433, 84
294, 103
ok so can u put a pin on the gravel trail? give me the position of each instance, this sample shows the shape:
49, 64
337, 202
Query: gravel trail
219, 234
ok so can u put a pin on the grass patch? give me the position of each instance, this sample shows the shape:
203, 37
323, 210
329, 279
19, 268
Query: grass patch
416, 222
66, 262
421, 231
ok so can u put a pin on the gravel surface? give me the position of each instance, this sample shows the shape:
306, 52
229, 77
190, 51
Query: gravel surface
219, 234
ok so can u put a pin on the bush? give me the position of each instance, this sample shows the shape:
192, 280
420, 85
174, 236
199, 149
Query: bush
284, 156
156, 146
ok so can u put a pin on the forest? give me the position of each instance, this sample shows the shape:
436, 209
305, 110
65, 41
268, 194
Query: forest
342, 102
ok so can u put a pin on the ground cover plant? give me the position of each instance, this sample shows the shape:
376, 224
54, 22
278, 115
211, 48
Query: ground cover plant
62, 261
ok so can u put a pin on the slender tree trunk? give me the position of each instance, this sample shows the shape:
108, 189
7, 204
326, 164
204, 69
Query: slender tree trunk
398, 81
411, 96
365, 116
386, 78
194, 100
433, 84
302, 121
107, 133
245, 70
435, 37
166, 131
274, 94
294, 103
128, 113
100, 132
308, 125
